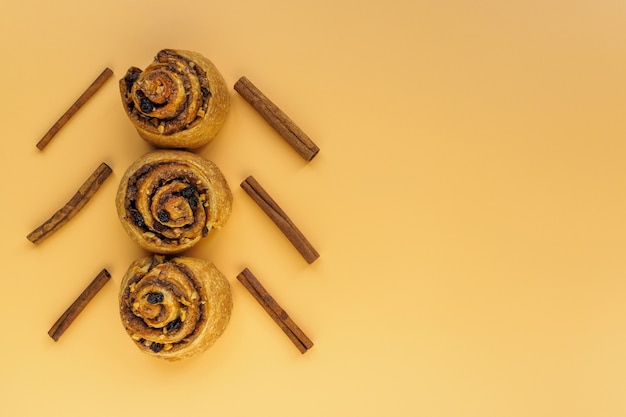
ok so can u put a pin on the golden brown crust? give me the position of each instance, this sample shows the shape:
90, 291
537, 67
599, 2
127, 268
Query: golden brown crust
180, 100
174, 308
168, 200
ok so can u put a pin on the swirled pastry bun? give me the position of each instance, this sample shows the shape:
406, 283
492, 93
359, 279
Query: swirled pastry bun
168, 200
174, 308
180, 100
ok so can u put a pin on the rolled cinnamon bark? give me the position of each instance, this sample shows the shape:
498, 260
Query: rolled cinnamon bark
72, 312
74, 108
180, 100
279, 121
73, 206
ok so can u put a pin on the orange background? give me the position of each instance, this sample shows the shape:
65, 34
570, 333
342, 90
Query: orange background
468, 203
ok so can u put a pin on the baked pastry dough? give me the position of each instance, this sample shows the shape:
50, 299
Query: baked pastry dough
168, 200
174, 308
180, 100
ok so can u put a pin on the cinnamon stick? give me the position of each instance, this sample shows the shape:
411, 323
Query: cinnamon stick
66, 319
76, 203
280, 218
279, 121
80, 102
280, 316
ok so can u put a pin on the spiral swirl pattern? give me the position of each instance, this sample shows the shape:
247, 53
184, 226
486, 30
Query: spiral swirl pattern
169, 199
174, 308
180, 100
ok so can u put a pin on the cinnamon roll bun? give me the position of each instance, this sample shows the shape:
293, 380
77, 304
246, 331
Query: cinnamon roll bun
168, 200
174, 308
180, 100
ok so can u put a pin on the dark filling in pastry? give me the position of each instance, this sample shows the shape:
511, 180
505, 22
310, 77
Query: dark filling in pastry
168, 202
169, 96
166, 318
